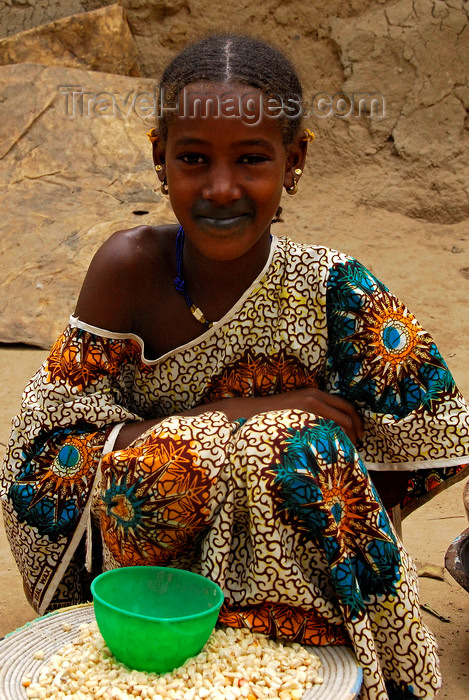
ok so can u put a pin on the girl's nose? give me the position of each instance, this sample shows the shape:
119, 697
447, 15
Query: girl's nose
221, 185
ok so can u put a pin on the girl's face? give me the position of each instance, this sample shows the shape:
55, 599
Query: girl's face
226, 166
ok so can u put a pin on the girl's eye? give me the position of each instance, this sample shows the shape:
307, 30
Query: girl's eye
253, 158
200, 159
192, 158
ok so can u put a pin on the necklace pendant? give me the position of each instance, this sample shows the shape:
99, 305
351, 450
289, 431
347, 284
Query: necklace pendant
197, 313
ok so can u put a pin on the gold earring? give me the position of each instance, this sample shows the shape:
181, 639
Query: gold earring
164, 187
158, 168
308, 135
293, 189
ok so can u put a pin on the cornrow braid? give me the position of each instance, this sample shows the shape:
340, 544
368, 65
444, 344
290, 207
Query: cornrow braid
239, 60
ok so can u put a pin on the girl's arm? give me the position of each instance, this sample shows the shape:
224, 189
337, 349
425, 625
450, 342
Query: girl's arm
67, 413
382, 360
111, 293
308, 399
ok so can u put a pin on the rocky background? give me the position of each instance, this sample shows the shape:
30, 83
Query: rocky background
74, 168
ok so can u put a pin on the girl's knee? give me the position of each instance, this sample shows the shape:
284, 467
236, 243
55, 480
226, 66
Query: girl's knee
295, 435
275, 423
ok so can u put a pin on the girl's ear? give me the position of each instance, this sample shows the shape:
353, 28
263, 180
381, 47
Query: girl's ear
296, 158
159, 153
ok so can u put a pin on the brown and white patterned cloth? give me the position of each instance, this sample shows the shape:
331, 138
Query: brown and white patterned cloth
279, 509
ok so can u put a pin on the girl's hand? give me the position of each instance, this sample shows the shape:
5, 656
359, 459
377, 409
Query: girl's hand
309, 399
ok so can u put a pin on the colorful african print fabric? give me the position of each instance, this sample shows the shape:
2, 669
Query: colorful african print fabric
278, 509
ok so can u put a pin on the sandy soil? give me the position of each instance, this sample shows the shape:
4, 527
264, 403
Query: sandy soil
419, 262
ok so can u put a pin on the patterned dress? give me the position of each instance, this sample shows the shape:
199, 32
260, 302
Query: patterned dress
278, 509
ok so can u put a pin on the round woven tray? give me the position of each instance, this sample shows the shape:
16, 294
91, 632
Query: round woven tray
342, 676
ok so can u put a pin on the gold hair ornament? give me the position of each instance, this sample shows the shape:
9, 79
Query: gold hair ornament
152, 135
309, 136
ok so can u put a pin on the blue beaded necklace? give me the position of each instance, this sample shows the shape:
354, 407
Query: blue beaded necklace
180, 282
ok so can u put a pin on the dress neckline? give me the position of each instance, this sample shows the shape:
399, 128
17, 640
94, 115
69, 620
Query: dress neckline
75, 322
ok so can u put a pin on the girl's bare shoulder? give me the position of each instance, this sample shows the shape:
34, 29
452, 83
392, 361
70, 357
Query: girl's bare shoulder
132, 247
123, 272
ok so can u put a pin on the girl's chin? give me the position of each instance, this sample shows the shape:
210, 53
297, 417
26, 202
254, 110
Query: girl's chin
227, 245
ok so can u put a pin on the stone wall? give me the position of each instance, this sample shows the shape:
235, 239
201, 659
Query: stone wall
62, 173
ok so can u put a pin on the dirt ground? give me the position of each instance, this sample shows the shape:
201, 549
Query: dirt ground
419, 263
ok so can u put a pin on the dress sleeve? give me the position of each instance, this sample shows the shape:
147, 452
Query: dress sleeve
69, 408
382, 360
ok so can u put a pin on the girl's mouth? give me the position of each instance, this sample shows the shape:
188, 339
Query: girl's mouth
224, 223
210, 216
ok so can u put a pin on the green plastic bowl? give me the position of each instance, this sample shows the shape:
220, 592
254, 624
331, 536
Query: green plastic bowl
153, 618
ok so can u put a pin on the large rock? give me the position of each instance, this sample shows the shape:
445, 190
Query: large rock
416, 54
24, 14
99, 40
388, 50
67, 182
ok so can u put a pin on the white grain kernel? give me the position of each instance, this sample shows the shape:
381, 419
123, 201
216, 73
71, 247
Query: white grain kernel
233, 664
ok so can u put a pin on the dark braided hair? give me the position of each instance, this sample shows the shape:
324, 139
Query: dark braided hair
239, 60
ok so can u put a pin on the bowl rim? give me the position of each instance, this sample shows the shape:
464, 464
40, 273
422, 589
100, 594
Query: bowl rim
216, 606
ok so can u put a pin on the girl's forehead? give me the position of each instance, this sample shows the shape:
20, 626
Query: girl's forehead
217, 107
220, 100
219, 91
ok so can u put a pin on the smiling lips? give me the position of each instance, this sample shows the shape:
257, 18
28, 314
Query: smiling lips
223, 218
224, 224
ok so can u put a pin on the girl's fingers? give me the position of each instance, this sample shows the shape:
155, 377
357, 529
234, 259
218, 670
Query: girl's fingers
329, 406
350, 410
333, 408
342, 418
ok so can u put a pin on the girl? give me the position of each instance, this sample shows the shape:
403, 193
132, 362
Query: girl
204, 407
